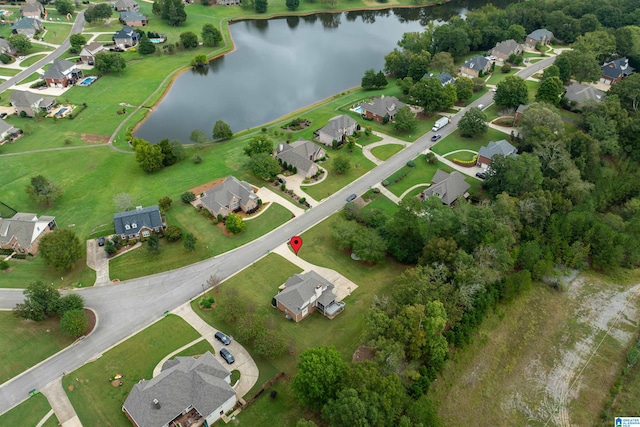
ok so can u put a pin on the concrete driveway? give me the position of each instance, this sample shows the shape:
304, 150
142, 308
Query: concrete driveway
97, 260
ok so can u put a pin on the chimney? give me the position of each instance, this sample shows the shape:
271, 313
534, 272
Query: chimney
318, 290
156, 404
138, 208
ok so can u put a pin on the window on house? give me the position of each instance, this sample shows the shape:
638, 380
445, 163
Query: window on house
145, 234
127, 227
134, 225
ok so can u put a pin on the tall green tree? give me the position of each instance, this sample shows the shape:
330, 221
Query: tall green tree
172, 11
320, 373
149, 156
145, 46
189, 40
109, 62
20, 42
550, 90
511, 92
64, 6
464, 88
40, 301
235, 224
68, 302
473, 123
261, 6
98, 11
77, 42
211, 36
292, 4
221, 130
189, 242
514, 175
602, 44
564, 68
584, 65
259, 144
432, 96
442, 62
341, 164
405, 120
74, 323
60, 249
264, 166
153, 244
42, 190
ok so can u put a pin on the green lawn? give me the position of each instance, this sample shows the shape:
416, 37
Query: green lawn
95, 400
105, 37
24, 272
455, 142
383, 203
197, 349
25, 343
10, 72
421, 173
384, 152
334, 182
32, 78
56, 33
415, 192
265, 410
462, 155
499, 76
211, 241
532, 87
29, 413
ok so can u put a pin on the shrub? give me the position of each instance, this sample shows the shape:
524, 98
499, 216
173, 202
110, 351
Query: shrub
4, 265
5, 59
431, 158
506, 68
197, 159
187, 197
411, 163
302, 200
173, 233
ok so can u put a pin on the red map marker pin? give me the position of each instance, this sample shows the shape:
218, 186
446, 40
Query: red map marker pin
296, 243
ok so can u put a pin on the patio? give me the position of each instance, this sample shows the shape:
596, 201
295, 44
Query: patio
190, 419
61, 111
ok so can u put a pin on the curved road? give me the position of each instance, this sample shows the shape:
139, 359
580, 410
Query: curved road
130, 306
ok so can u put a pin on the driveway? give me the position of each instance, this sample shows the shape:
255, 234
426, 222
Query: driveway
97, 260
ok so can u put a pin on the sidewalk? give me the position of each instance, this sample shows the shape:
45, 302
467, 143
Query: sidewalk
60, 404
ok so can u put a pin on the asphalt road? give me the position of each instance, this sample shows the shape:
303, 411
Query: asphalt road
130, 306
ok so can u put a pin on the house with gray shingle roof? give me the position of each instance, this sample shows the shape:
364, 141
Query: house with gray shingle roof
505, 49
495, 147
578, 93
302, 155
126, 6
616, 70
27, 26
444, 77
228, 197
138, 223
379, 108
302, 294
31, 103
6, 47
541, 35
126, 37
22, 232
338, 129
32, 9
472, 67
6, 130
447, 187
134, 18
62, 73
89, 52
187, 391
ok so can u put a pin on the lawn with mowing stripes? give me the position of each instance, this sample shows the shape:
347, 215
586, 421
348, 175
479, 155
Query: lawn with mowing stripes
455, 142
197, 349
384, 152
26, 271
421, 173
382, 203
29, 413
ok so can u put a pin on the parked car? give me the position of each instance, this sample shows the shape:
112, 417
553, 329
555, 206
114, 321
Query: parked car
436, 137
481, 106
222, 338
3, 115
481, 175
281, 180
100, 241
227, 356
351, 198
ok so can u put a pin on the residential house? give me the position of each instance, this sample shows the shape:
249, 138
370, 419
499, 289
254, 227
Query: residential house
616, 70
472, 67
126, 37
302, 155
27, 26
62, 73
518, 114
138, 223
445, 78
22, 232
31, 103
228, 2
6, 47
578, 93
89, 52
302, 294
32, 9
382, 107
6, 130
338, 129
505, 49
447, 187
134, 19
541, 35
126, 6
228, 197
188, 391
500, 147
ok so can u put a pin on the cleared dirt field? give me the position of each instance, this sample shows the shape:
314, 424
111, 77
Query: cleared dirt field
548, 358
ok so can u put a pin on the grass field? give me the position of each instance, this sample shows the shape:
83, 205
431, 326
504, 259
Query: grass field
384, 152
462, 155
383, 203
29, 413
497, 76
10, 72
455, 142
95, 400
211, 242
24, 272
421, 173
32, 78
25, 343
197, 349
56, 32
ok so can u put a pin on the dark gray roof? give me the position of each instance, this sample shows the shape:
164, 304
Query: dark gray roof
58, 68
27, 24
133, 15
300, 288
6, 127
476, 63
5, 46
202, 383
617, 68
507, 47
445, 78
126, 32
499, 147
541, 33
21, 98
336, 126
382, 106
137, 219
579, 92
221, 196
522, 108
448, 187
125, 4
25, 227
299, 154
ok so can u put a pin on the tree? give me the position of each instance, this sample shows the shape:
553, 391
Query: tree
77, 42
442, 62
564, 68
550, 90
346, 410
405, 120
98, 11
199, 61
124, 202
68, 302
261, 6
187, 197
396, 63
211, 36
464, 88
171, 10
173, 233
473, 123
20, 42
259, 144
431, 95
514, 175
109, 62
341, 164
320, 372
189, 40
43, 191
380, 79
269, 343
221, 130
369, 79
64, 7
40, 301
189, 242
145, 46
628, 92
369, 246
551, 71
538, 116
516, 32
61, 249
292, 4
511, 92
234, 223
264, 166
165, 203
584, 66
153, 244
198, 136
74, 323
149, 156
602, 44
418, 64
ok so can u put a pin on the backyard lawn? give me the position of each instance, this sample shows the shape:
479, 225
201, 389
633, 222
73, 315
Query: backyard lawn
211, 241
95, 400
455, 142
384, 152
25, 343
29, 413
421, 173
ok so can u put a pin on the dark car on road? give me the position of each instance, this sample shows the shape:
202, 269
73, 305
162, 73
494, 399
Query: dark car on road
436, 137
100, 241
226, 355
351, 198
481, 175
222, 338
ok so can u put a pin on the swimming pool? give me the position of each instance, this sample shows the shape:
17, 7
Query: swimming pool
61, 111
358, 109
87, 81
